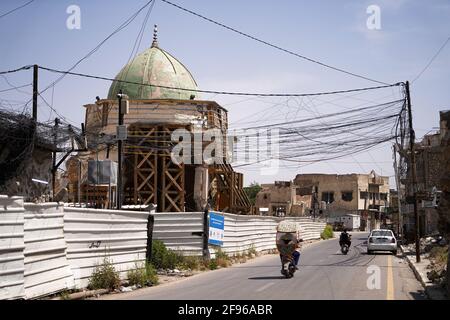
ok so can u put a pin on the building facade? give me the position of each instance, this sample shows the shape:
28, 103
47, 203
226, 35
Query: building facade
325, 195
347, 193
430, 157
281, 199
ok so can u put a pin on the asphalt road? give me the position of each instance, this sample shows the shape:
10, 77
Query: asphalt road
324, 273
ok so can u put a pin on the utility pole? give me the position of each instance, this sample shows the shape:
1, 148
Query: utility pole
35, 91
119, 155
397, 182
54, 166
413, 170
121, 135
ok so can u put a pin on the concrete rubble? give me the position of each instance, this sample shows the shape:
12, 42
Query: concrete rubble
433, 290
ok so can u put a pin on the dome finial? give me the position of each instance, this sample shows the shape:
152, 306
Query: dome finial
155, 36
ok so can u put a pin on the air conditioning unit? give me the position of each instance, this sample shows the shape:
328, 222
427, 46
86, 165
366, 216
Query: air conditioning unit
102, 172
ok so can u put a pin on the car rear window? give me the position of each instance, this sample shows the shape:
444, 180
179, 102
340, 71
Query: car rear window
382, 233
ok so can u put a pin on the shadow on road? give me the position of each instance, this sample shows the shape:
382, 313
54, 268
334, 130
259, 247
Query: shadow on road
267, 278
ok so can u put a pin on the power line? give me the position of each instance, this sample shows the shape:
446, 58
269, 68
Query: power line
137, 42
121, 27
272, 45
16, 70
432, 59
20, 7
221, 92
16, 87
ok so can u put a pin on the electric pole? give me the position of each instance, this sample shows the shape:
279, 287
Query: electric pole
35, 91
119, 155
121, 135
397, 182
54, 166
413, 171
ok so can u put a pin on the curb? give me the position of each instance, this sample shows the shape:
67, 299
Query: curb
431, 291
84, 294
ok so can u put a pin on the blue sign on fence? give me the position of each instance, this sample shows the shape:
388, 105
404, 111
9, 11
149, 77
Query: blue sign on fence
216, 227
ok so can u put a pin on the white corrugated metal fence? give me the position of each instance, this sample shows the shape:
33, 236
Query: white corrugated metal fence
11, 248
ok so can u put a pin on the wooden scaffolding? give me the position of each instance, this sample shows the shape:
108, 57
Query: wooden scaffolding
152, 175
228, 194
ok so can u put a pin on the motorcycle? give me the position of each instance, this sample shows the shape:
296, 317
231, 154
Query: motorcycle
287, 240
287, 266
345, 246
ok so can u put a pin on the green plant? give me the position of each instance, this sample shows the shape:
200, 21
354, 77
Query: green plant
252, 251
151, 274
65, 295
222, 255
163, 258
137, 276
327, 232
192, 263
104, 276
252, 191
142, 275
212, 264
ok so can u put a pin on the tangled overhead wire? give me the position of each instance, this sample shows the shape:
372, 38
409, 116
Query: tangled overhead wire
20, 135
320, 138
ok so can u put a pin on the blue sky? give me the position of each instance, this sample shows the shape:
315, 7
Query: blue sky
333, 32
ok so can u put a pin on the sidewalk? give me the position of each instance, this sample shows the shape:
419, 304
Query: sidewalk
433, 291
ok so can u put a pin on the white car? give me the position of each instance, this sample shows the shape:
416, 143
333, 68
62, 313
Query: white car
382, 240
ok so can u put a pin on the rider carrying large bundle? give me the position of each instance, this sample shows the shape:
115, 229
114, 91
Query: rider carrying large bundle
288, 239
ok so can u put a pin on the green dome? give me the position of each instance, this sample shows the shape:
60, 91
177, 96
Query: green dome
156, 67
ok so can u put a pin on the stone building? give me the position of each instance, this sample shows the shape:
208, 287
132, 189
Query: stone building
162, 99
281, 199
347, 193
430, 157
325, 194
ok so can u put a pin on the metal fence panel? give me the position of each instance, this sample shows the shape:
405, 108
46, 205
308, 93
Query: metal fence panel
11, 248
46, 267
94, 234
243, 233
180, 231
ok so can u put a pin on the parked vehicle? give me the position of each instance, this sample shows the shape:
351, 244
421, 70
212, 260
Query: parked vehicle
382, 240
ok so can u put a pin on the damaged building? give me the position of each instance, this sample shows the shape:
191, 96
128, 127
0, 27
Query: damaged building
281, 198
161, 99
328, 195
430, 157
31, 153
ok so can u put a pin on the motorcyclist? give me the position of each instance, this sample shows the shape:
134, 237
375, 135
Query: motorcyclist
295, 254
345, 239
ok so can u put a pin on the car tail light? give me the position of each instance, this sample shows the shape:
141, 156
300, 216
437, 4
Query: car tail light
393, 240
370, 240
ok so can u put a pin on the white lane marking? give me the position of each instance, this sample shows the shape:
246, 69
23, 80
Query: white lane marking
265, 286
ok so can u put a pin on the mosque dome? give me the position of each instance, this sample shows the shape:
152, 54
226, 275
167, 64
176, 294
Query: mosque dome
158, 68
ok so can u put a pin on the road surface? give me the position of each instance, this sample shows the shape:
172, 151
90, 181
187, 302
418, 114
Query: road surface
324, 273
